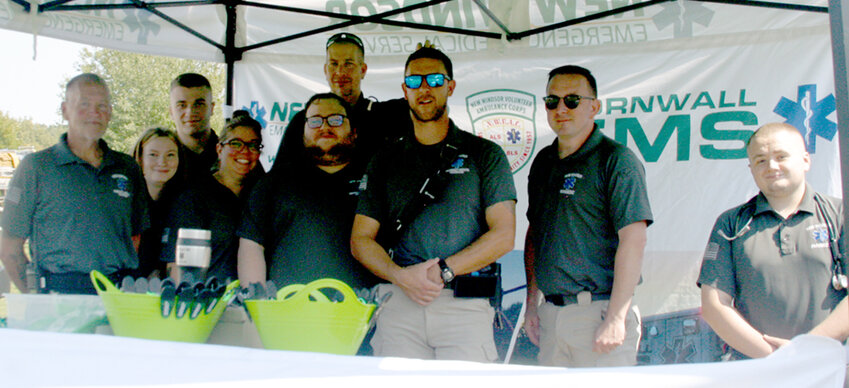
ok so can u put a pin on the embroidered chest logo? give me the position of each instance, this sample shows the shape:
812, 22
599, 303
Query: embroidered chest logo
458, 167
819, 233
122, 185
356, 185
569, 182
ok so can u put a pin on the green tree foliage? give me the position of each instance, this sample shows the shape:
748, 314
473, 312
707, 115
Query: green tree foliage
15, 133
140, 85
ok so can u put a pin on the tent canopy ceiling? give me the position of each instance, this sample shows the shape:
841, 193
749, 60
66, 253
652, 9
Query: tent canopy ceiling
322, 17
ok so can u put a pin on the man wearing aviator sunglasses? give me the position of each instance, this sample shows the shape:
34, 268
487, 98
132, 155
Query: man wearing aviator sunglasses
588, 212
469, 226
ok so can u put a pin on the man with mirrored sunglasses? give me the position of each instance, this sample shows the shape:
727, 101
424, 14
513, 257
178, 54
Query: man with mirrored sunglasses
468, 225
378, 122
588, 212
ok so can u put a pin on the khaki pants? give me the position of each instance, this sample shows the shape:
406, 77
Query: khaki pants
567, 334
447, 329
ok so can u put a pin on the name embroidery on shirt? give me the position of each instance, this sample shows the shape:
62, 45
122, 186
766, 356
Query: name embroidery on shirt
569, 182
122, 185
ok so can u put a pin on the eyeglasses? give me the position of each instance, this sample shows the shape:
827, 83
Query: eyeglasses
434, 80
571, 101
332, 120
239, 145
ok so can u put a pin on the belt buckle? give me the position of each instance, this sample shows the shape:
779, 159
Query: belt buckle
584, 298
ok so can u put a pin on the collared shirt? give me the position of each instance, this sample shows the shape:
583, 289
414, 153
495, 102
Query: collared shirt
479, 177
303, 217
77, 217
576, 207
777, 270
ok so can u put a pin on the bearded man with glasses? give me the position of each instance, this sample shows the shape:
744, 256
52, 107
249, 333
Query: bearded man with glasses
296, 224
588, 212
462, 226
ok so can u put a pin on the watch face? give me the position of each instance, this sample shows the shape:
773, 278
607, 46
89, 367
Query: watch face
447, 275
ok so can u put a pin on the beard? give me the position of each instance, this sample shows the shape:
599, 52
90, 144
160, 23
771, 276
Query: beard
340, 153
436, 114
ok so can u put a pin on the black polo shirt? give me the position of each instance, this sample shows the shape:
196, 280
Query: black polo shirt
478, 178
303, 218
577, 206
207, 204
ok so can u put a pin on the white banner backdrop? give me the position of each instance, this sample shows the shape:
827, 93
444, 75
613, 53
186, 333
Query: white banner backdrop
682, 85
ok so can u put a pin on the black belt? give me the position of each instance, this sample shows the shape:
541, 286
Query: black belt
73, 282
565, 300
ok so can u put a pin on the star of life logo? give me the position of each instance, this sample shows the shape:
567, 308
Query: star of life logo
570, 180
819, 233
506, 117
122, 185
809, 115
457, 168
257, 112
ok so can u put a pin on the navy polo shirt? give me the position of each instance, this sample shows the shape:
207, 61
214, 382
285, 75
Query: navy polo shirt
577, 205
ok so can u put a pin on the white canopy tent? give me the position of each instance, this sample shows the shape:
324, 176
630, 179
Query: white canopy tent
683, 82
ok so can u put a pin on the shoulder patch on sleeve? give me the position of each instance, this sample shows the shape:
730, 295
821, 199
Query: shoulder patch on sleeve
712, 251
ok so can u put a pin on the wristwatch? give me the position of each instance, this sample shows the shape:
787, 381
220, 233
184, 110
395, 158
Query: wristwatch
446, 271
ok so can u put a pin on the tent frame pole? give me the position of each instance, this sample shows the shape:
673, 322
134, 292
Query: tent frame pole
839, 17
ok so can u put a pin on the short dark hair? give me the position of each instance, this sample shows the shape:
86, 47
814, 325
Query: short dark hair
242, 118
431, 53
85, 78
575, 70
329, 96
190, 80
346, 37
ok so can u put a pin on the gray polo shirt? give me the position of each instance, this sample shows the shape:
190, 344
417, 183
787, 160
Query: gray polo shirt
478, 178
577, 206
77, 217
777, 270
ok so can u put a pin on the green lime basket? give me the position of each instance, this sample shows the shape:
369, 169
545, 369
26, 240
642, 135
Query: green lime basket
139, 315
304, 319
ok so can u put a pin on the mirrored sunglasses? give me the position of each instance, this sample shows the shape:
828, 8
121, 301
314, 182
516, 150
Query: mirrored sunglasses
239, 145
434, 80
332, 120
571, 101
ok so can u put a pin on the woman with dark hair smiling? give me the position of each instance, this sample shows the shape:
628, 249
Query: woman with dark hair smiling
158, 153
214, 202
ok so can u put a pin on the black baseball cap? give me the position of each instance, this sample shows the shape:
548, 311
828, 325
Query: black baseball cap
345, 37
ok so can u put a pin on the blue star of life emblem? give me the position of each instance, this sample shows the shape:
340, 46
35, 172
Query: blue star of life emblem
457, 163
820, 235
513, 135
257, 111
569, 183
808, 115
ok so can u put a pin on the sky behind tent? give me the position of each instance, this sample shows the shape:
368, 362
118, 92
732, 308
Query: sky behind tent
31, 88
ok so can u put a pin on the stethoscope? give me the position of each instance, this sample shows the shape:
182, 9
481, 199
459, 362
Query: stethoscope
839, 280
